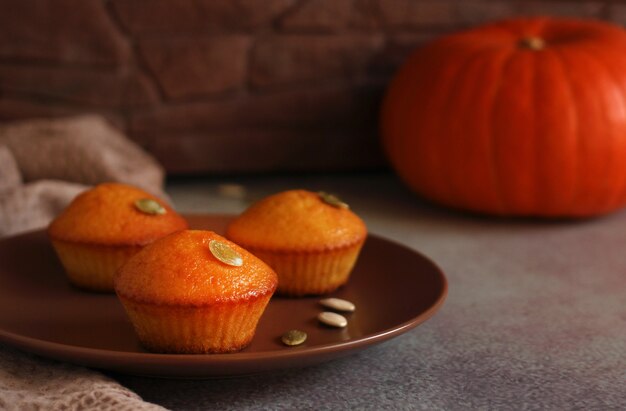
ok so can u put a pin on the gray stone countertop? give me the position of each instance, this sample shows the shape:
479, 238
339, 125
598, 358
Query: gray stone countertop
535, 316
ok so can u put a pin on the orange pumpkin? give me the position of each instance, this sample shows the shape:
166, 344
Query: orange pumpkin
520, 117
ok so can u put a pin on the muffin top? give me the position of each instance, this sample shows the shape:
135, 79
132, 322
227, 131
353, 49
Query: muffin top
194, 268
108, 214
297, 220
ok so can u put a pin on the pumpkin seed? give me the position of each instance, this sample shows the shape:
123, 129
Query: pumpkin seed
338, 304
150, 206
293, 337
225, 253
332, 200
232, 191
332, 319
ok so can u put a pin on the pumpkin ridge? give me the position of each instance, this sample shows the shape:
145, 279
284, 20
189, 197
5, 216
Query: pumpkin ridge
450, 100
611, 159
569, 129
538, 197
577, 129
513, 172
497, 183
620, 188
433, 165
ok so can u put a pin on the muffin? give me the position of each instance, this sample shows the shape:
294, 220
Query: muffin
312, 240
103, 227
195, 292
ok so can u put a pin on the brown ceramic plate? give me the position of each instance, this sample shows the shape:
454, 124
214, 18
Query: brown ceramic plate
393, 287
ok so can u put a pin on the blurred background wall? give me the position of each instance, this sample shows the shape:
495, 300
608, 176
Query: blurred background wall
233, 85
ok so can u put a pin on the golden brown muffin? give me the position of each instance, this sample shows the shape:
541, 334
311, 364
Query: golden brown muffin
195, 292
103, 227
312, 240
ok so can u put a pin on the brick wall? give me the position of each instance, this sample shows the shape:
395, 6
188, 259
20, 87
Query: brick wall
233, 85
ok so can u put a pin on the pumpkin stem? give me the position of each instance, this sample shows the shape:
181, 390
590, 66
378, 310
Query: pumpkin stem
532, 43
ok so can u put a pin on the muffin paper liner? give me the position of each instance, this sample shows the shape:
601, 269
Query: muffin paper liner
311, 273
213, 328
92, 267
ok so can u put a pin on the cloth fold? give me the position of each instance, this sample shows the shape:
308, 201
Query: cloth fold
44, 164
28, 382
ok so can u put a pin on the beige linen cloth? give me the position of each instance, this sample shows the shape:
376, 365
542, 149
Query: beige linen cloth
44, 164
